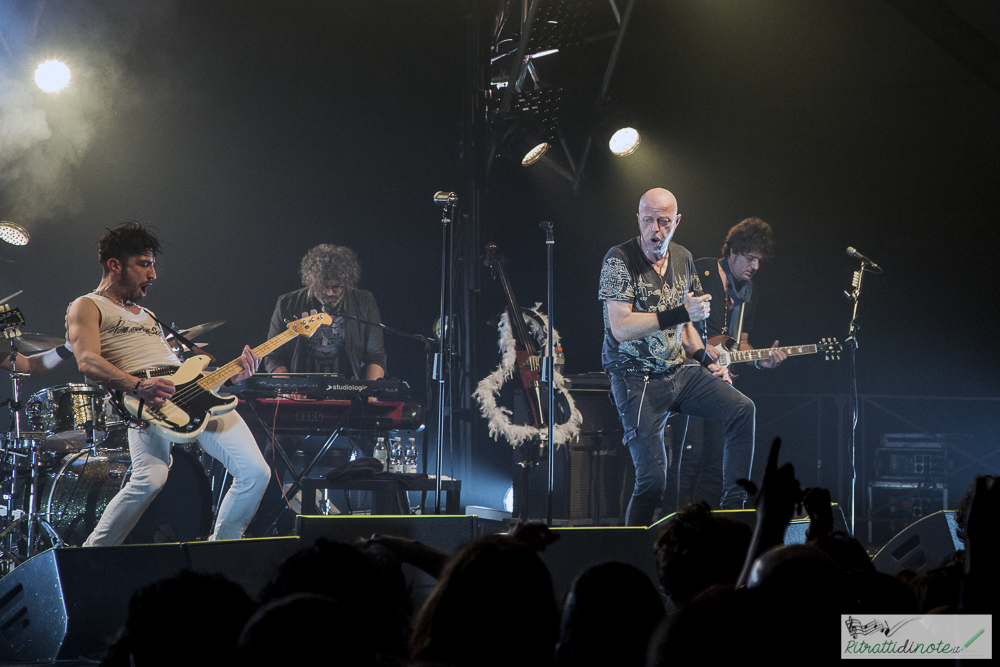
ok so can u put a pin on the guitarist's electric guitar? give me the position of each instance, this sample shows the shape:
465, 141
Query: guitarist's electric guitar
829, 347
183, 417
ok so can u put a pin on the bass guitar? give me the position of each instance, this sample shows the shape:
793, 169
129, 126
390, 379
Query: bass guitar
183, 417
829, 347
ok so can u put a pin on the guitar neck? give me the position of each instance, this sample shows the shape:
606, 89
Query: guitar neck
214, 380
765, 352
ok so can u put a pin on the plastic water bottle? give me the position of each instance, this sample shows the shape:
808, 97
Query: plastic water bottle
396, 456
381, 453
410, 459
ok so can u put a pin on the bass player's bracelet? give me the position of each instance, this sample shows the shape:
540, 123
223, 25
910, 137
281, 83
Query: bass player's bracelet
671, 318
702, 357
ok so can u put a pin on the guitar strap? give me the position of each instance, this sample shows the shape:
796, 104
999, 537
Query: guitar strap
184, 341
116, 400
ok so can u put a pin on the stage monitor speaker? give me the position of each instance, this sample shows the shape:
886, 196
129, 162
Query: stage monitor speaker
251, 563
69, 604
443, 532
582, 547
795, 532
921, 546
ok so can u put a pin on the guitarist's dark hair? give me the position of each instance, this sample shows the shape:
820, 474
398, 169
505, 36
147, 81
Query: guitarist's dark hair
751, 235
128, 239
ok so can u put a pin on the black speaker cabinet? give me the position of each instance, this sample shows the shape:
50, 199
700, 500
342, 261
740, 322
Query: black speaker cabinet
601, 474
68, 604
894, 505
920, 546
251, 563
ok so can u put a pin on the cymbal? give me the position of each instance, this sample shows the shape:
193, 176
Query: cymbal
30, 343
194, 332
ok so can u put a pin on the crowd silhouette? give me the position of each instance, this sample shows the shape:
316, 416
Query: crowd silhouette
724, 591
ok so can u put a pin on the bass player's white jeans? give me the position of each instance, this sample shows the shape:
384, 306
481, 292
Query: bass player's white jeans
227, 439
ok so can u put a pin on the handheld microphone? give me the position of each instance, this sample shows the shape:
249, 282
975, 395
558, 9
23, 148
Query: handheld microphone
851, 252
442, 198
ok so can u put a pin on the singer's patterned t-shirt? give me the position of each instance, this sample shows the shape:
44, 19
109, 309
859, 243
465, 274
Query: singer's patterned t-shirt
628, 276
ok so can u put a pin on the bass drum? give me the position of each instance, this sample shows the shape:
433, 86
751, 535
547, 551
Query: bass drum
75, 498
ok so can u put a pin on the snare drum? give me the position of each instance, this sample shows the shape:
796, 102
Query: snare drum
65, 413
74, 499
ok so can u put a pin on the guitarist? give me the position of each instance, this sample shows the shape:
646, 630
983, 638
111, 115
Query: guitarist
116, 343
729, 280
649, 288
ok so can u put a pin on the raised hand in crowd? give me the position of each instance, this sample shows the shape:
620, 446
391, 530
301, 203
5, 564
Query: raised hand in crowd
417, 554
816, 502
775, 502
535, 536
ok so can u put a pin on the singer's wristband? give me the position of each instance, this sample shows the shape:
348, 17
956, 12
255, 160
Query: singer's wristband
671, 318
136, 390
63, 352
701, 356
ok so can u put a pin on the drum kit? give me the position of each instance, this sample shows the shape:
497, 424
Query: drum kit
66, 456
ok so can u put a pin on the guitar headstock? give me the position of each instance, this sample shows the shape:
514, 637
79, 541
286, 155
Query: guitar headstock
11, 320
492, 258
830, 348
307, 326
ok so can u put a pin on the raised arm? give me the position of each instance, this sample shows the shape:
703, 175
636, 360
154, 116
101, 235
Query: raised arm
627, 324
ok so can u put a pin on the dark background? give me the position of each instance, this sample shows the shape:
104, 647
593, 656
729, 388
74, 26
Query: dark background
247, 132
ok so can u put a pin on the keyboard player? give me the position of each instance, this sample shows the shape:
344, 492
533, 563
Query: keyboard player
351, 347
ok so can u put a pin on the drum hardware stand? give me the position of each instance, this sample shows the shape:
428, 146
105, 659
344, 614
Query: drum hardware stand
34, 488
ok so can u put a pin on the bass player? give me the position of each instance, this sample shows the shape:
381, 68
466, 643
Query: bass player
119, 345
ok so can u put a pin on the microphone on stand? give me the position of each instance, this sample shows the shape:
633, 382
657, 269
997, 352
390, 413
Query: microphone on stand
851, 252
442, 198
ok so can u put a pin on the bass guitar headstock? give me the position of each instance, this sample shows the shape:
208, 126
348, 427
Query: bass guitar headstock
307, 326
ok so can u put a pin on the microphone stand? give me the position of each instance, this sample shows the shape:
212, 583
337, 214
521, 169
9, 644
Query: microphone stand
852, 343
446, 230
548, 369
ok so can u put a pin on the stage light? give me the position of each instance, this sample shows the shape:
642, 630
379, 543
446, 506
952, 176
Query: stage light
535, 154
624, 141
13, 233
508, 500
52, 76
526, 142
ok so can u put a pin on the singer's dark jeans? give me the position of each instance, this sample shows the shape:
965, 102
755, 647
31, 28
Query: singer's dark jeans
645, 401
